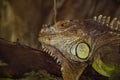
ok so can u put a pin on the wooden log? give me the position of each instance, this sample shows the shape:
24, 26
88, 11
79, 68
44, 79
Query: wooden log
20, 59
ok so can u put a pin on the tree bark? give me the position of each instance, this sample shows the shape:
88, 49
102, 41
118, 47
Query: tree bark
20, 59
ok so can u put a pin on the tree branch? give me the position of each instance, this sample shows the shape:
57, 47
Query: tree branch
20, 59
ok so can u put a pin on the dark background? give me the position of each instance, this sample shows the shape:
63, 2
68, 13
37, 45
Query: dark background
22, 19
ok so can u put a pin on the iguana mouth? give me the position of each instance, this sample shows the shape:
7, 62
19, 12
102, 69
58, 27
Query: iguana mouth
53, 52
70, 70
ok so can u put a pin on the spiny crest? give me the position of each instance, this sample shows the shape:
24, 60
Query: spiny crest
113, 24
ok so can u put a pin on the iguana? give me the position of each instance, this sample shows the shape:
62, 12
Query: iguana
76, 44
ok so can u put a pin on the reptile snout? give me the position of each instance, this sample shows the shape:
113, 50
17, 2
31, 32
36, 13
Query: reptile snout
47, 29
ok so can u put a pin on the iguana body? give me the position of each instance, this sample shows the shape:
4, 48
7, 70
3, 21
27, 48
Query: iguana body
73, 43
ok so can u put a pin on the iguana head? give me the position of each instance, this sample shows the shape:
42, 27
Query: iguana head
72, 43
69, 38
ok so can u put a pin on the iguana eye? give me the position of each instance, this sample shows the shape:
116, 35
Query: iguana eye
81, 50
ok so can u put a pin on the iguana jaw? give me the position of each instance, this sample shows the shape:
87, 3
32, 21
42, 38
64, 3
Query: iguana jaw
70, 70
53, 52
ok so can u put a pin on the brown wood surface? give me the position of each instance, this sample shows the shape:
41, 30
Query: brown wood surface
22, 59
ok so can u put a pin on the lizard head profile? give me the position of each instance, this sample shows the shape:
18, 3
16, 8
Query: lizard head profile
73, 43
68, 38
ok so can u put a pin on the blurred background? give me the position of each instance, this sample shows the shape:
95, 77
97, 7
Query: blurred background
21, 20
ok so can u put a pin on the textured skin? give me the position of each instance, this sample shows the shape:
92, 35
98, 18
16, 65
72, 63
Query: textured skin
99, 34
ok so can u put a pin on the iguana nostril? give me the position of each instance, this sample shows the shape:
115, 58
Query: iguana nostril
62, 25
49, 38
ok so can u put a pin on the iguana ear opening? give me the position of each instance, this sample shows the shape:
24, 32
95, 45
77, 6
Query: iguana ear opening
81, 50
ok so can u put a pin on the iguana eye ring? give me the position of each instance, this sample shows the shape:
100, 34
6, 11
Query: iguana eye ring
81, 50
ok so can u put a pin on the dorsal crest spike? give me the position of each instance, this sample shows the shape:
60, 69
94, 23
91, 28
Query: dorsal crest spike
100, 18
113, 24
107, 21
103, 19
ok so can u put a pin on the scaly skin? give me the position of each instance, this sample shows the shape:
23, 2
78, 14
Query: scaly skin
73, 43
